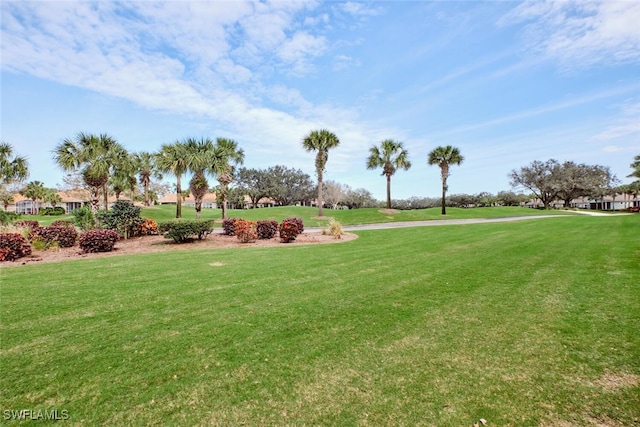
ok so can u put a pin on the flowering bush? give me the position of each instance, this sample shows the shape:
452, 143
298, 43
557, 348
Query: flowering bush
288, 230
98, 240
246, 231
13, 246
267, 229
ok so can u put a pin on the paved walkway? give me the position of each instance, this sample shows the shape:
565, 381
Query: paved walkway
437, 222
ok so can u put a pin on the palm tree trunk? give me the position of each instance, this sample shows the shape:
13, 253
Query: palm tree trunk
178, 197
388, 191
105, 193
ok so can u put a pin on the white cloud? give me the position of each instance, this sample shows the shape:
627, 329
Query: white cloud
580, 34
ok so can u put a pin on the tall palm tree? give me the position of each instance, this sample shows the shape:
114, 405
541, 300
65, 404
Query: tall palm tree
226, 156
391, 156
172, 159
145, 164
199, 159
96, 156
320, 141
443, 157
52, 196
12, 169
35, 190
636, 168
124, 174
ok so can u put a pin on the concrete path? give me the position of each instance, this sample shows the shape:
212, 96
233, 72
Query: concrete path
430, 223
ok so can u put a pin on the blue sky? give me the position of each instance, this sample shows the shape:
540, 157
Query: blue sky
505, 82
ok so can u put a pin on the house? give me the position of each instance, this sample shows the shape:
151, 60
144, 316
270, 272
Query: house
210, 201
70, 201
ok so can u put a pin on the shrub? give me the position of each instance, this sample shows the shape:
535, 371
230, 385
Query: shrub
335, 229
246, 231
185, 229
7, 217
27, 224
13, 246
288, 230
58, 210
229, 226
84, 219
147, 227
63, 222
297, 221
123, 217
64, 237
98, 240
267, 229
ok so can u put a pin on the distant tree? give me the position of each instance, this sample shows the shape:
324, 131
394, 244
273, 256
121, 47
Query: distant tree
444, 157
200, 157
96, 156
636, 168
52, 196
390, 156
6, 198
543, 179
579, 180
287, 186
509, 198
335, 193
34, 190
360, 198
146, 167
172, 158
12, 168
254, 183
320, 141
227, 155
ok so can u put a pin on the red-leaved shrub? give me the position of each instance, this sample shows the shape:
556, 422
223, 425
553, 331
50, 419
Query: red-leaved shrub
148, 227
246, 231
63, 235
229, 226
27, 223
288, 231
13, 246
98, 240
297, 222
267, 229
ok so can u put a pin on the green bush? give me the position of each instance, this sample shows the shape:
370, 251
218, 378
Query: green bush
123, 217
83, 218
183, 230
98, 240
52, 211
13, 246
7, 217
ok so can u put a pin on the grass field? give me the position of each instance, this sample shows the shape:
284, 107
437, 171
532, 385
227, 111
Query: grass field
524, 324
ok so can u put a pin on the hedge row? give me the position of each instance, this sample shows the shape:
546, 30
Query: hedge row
183, 230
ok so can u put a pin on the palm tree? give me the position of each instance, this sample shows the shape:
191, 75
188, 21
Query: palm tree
97, 156
320, 141
34, 190
636, 167
145, 164
51, 196
443, 157
391, 155
199, 158
226, 156
12, 169
172, 158
6, 198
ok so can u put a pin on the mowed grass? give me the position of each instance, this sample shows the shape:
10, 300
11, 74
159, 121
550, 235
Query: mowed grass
309, 215
523, 324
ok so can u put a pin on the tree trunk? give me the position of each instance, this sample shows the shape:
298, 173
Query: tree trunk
223, 199
388, 191
178, 198
105, 192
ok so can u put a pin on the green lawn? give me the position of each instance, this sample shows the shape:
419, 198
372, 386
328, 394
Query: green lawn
524, 324
345, 217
